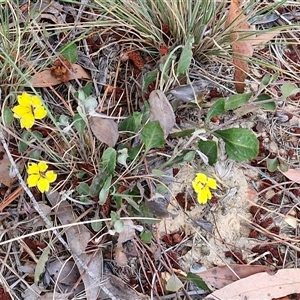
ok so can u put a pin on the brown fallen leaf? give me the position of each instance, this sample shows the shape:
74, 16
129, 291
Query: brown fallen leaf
161, 111
105, 130
219, 277
261, 286
292, 174
45, 78
242, 46
77, 240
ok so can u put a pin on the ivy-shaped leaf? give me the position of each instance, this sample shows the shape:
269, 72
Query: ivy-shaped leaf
132, 123
210, 149
240, 143
153, 135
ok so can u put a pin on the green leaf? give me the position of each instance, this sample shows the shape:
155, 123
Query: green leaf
69, 52
132, 123
153, 135
108, 161
237, 100
197, 280
87, 89
96, 226
36, 154
97, 184
79, 124
266, 79
182, 133
41, 264
7, 116
132, 153
185, 57
122, 156
105, 190
240, 143
119, 226
146, 236
269, 105
83, 188
216, 109
148, 78
145, 112
183, 157
289, 89
272, 164
210, 149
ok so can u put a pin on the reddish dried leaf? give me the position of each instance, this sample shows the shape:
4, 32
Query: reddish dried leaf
261, 286
293, 175
45, 78
221, 276
242, 47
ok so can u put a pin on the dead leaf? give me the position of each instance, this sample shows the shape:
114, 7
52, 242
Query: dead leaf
242, 46
161, 111
219, 277
292, 174
46, 79
120, 290
5, 174
120, 257
78, 244
261, 286
105, 130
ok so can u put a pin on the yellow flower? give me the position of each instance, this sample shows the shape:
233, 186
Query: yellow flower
202, 185
39, 176
30, 108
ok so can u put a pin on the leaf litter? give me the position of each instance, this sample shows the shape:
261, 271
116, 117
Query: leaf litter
223, 218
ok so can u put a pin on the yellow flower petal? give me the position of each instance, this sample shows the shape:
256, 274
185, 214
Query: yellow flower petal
40, 112
27, 121
43, 185
33, 168
20, 111
33, 179
211, 183
201, 177
50, 176
197, 186
36, 101
42, 165
202, 197
24, 99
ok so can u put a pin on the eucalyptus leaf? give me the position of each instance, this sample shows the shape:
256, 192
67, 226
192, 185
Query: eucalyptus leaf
240, 143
